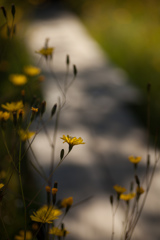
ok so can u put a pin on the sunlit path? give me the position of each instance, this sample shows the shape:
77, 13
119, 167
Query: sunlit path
96, 110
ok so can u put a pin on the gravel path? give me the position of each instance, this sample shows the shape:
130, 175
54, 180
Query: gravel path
96, 110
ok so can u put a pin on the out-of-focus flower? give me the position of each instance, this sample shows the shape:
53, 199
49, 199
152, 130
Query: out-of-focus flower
46, 51
29, 235
3, 174
13, 106
119, 189
134, 160
1, 185
127, 197
4, 115
54, 190
34, 109
67, 202
72, 140
46, 214
18, 79
24, 135
31, 70
139, 190
48, 189
58, 232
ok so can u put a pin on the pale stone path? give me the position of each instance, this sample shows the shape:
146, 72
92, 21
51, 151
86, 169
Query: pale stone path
96, 110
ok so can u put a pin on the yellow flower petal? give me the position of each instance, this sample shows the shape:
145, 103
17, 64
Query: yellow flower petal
134, 160
31, 70
119, 189
58, 232
72, 140
127, 197
13, 106
46, 214
18, 79
24, 135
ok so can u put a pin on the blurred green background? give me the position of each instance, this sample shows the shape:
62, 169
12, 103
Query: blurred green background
129, 33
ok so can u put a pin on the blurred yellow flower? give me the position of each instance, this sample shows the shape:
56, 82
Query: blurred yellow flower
4, 115
3, 174
58, 232
13, 106
119, 189
24, 135
29, 235
67, 202
46, 214
31, 70
139, 190
1, 185
46, 51
134, 160
72, 140
34, 109
127, 197
18, 79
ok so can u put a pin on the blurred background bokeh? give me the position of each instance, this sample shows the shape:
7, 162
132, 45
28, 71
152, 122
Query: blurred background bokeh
128, 31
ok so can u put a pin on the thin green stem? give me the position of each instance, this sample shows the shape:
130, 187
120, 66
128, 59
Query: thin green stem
22, 191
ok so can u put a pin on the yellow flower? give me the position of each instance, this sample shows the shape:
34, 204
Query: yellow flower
67, 202
48, 189
21, 235
54, 191
46, 51
35, 110
13, 106
134, 160
127, 197
46, 214
18, 79
139, 190
31, 70
4, 115
58, 232
72, 140
24, 135
119, 189
1, 185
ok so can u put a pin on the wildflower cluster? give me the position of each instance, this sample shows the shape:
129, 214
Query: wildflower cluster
21, 120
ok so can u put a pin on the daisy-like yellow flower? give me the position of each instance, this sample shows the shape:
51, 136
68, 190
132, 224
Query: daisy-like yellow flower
72, 140
46, 51
127, 197
18, 79
134, 160
67, 202
46, 214
13, 106
31, 70
58, 232
4, 115
29, 235
119, 189
24, 135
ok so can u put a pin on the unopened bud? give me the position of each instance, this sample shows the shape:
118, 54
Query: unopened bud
13, 10
4, 12
75, 70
